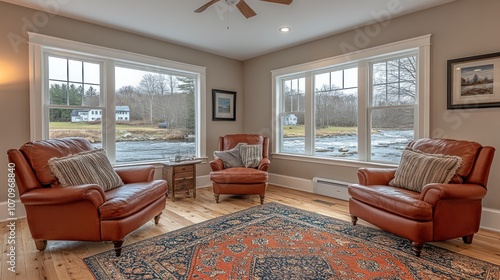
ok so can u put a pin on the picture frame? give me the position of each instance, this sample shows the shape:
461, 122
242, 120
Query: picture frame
474, 82
223, 105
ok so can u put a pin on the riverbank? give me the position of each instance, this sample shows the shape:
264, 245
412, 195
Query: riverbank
94, 135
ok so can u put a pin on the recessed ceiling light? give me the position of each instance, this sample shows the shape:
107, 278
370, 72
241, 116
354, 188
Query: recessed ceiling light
285, 29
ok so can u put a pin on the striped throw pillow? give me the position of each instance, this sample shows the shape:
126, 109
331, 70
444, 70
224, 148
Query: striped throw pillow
251, 155
89, 167
418, 169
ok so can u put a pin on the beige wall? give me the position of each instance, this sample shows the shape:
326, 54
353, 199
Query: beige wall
222, 73
459, 29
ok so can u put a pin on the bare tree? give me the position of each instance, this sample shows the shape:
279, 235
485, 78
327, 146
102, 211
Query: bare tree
151, 86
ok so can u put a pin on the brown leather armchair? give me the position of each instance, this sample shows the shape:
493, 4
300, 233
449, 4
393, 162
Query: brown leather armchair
82, 212
440, 211
241, 180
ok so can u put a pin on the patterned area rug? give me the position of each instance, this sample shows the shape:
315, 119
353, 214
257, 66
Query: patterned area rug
274, 241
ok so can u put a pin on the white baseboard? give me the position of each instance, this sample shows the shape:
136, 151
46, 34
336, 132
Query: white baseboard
291, 182
19, 211
490, 219
203, 181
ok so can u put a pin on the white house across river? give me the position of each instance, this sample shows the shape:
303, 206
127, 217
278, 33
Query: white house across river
122, 113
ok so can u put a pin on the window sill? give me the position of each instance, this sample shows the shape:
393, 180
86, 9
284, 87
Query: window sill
336, 162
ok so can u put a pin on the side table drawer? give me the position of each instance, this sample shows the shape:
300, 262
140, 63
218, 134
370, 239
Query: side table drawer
183, 168
183, 184
183, 175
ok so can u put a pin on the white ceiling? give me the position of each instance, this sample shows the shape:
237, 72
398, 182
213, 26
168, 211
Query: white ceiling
226, 32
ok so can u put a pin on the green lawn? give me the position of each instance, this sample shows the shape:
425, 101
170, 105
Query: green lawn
298, 130
83, 125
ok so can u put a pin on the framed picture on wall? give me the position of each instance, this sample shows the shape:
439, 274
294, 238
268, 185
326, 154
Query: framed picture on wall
223, 105
474, 82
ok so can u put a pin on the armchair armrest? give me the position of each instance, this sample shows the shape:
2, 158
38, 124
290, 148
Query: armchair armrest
264, 164
217, 164
136, 174
432, 193
375, 176
50, 196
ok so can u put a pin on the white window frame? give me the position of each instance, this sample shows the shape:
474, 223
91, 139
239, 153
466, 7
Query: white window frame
420, 45
41, 45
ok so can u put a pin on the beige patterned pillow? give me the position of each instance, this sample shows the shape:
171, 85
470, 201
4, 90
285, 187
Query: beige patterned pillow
89, 167
418, 169
251, 155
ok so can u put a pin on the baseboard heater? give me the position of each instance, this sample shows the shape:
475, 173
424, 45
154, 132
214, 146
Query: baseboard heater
331, 188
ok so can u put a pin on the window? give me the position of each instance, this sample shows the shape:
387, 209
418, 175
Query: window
336, 113
365, 106
137, 108
392, 107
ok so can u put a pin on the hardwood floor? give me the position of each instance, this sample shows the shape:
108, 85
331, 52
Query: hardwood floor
63, 259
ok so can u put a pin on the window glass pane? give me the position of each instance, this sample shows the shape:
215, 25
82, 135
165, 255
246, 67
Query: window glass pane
75, 94
155, 115
392, 129
322, 81
351, 78
293, 133
75, 71
292, 117
58, 93
91, 95
379, 73
58, 69
92, 73
336, 114
394, 82
407, 93
336, 79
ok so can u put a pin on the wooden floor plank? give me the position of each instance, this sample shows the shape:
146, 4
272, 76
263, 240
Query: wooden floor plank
64, 259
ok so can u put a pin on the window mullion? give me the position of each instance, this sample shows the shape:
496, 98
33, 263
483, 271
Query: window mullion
309, 114
108, 116
364, 85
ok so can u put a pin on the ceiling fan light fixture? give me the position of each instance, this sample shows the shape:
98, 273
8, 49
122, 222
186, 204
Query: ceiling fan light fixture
285, 29
232, 2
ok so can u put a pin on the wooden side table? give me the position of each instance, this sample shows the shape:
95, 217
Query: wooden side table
181, 176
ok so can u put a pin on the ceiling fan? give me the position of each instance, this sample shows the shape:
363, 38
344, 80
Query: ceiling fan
241, 5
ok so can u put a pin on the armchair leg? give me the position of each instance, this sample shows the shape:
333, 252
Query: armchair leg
216, 195
417, 248
468, 239
262, 199
118, 247
354, 220
40, 244
157, 218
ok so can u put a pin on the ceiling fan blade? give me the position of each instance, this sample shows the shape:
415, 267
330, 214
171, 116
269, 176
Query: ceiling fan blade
204, 7
286, 2
245, 9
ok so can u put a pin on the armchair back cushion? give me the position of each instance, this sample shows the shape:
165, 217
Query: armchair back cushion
230, 141
38, 153
467, 150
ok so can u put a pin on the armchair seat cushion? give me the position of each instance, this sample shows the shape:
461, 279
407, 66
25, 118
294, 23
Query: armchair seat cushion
239, 175
130, 198
402, 202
